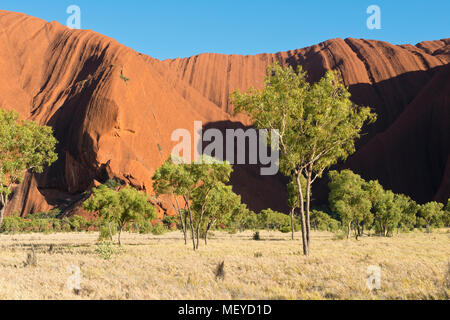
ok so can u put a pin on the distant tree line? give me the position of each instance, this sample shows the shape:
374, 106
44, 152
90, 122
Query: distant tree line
317, 126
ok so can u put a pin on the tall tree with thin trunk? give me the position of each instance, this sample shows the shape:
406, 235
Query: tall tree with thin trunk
166, 182
24, 146
317, 125
293, 200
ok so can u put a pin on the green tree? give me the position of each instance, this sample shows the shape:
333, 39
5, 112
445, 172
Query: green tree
242, 219
447, 214
221, 204
349, 199
274, 220
431, 214
204, 177
387, 213
24, 146
317, 125
193, 182
118, 208
323, 222
409, 209
168, 181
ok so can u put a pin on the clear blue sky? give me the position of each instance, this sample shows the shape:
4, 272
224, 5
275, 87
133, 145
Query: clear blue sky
179, 28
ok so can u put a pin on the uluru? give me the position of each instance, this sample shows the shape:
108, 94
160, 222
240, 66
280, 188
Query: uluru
113, 110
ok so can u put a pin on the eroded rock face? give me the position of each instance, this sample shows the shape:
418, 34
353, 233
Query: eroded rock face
107, 126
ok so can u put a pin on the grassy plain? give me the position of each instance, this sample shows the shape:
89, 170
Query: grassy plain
413, 266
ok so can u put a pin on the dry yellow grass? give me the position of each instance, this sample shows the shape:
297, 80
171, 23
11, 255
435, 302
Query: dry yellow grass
414, 266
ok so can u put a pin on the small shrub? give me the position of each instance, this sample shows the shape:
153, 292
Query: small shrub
256, 236
340, 235
159, 229
125, 79
258, 254
106, 249
273, 220
145, 227
11, 225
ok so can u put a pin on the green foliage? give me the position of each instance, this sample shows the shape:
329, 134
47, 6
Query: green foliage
349, 199
273, 220
106, 233
196, 184
221, 206
323, 222
123, 78
113, 184
79, 223
362, 204
120, 207
387, 213
243, 219
431, 214
12, 225
409, 209
292, 190
46, 222
24, 145
168, 180
446, 217
107, 250
317, 124
159, 229
170, 222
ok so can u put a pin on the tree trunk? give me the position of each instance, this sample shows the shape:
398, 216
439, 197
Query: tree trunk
308, 204
210, 225
302, 216
120, 235
110, 231
349, 228
292, 223
191, 222
198, 237
183, 223
3, 203
206, 233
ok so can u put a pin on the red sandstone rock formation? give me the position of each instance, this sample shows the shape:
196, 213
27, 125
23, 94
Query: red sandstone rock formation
73, 80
